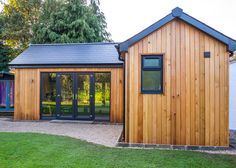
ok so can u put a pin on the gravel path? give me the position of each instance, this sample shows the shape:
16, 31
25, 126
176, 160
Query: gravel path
104, 134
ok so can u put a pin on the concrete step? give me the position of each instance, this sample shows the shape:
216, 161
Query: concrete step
72, 121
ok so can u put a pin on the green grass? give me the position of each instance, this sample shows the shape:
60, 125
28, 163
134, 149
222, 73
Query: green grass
38, 150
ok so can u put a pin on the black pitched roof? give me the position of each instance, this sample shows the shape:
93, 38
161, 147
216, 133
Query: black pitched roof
178, 13
68, 54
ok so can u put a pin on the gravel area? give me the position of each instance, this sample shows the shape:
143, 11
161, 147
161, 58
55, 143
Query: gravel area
104, 134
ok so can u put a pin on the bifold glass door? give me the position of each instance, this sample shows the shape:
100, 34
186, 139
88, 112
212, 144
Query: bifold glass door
75, 96
80, 96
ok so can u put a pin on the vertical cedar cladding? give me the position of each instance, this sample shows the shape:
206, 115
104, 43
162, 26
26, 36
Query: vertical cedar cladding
193, 109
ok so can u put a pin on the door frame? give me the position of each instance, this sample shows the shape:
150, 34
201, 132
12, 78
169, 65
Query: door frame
58, 95
8, 107
92, 87
91, 117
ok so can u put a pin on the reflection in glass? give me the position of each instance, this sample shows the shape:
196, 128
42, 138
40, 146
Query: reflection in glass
102, 96
48, 94
12, 94
151, 80
3, 86
152, 62
66, 97
83, 96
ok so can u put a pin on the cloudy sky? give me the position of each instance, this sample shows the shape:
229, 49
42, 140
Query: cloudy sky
125, 18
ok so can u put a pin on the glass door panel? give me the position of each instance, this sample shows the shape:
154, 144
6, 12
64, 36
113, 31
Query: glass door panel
102, 96
65, 96
48, 95
84, 97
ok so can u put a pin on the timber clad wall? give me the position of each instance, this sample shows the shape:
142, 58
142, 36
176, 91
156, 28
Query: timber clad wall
27, 91
193, 110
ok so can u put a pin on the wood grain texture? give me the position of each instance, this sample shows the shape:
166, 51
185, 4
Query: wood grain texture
193, 110
27, 91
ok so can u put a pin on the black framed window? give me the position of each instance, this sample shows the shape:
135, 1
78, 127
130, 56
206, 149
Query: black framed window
152, 74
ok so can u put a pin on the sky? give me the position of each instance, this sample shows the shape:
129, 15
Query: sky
126, 18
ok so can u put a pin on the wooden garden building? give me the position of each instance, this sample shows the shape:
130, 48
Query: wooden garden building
168, 84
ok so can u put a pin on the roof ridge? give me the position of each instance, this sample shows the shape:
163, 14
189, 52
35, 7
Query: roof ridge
56, 44
177, 13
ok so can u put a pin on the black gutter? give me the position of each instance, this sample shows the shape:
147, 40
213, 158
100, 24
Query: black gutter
115, 65
124, 98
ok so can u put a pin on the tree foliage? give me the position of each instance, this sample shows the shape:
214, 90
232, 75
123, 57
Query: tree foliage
20, 16
69, 22
5, 51
5, 56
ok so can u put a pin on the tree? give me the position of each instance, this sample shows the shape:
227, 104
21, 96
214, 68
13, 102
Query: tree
5, 51
20, 16
74, 21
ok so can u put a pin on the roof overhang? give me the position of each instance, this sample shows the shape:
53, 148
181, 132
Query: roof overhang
67, 65
178, 13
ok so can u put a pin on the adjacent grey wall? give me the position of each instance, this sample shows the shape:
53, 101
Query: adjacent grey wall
232, 94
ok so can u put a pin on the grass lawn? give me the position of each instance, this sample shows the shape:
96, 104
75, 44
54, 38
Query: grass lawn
39, 150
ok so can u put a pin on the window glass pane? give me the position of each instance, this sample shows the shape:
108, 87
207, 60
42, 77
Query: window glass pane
152, 62
83, 95
48, 94
102, 96
151, 80
12, 94
3, 88
66, 97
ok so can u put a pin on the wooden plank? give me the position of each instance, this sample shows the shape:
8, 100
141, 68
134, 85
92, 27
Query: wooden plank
167, 89
188, 91
162, 97
197, 87
178, 83
212, 92
217, 95
135, 91
173, 84
207, 94
140, 98
192, 87
202, 90
159, 130
145, 101
183, 85
153, 138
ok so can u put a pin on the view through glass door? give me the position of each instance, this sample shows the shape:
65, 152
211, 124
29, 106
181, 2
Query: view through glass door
80, 96
84, 96
65, 96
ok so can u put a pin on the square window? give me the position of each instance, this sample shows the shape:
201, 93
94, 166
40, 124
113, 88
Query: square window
152, 74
